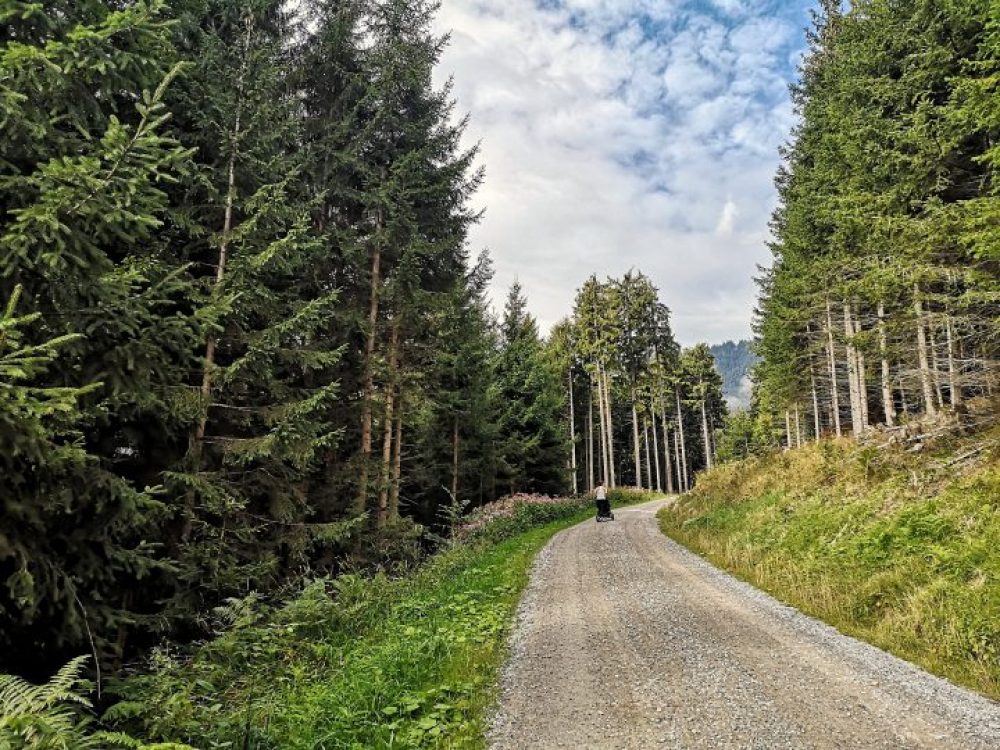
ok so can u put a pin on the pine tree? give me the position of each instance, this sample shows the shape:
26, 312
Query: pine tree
531, 448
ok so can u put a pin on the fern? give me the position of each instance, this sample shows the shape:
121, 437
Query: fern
55, 715
48, 715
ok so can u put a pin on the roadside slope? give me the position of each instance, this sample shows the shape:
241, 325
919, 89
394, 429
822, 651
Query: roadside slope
901, 550
627, 640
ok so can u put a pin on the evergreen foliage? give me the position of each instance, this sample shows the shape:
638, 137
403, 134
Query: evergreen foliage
633, 402
882, 302
242, 338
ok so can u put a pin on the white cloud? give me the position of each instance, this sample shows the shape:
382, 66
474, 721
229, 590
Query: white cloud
627, 133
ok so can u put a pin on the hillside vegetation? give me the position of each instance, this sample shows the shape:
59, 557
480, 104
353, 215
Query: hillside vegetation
359, 662
896, 548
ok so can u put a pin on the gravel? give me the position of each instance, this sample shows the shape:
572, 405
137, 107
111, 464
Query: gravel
624, 639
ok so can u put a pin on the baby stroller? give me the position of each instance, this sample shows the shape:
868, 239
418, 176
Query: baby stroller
604, 511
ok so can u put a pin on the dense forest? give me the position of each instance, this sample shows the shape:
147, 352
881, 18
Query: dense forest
243, 341
882, 303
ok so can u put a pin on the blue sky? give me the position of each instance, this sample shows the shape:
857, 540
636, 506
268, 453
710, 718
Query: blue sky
623, 134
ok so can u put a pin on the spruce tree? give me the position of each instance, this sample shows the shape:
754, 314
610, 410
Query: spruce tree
86, 213
531, 448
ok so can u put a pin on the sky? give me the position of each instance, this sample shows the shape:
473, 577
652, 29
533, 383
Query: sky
620, 134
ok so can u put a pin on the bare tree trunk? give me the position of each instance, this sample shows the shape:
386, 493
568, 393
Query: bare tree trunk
862, 375
678, 462
656, 451
454, 459
925, 368
397, 460
888, 404
852, 373
953, 386
603, 411
572, 432
590, 438
645, 445
368, 394
602, 430
705, 432
936, 366
831, 352
385, 471
815, 399
611, 441
635, 444
667, 468
680, 428
788, 430
798, 426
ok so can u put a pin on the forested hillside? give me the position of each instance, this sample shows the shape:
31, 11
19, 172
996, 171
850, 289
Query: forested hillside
734, 361
244, 341
883, 300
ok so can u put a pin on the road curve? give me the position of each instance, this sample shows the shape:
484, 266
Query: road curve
624, 639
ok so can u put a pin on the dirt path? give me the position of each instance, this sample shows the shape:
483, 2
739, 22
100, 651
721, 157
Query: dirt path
626, 640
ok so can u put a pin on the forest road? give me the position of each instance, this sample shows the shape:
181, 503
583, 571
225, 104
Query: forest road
624, 639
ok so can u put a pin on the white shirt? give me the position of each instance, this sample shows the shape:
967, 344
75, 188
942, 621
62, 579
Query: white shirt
602, 494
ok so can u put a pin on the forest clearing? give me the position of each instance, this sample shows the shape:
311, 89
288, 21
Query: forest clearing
292, 456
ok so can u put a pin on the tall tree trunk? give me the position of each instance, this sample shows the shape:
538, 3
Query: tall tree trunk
788, 430
862, 374
645, 445
397, 460
815, 399
705, 432
572, 433
888, 404
936, 365
454, 459
925, 369
361, 501
603, 415
635, 444
590, 438
656, 450
385, 470
852, 373
610, 426
604, 474
798, 426
680, 429
955, 390
667, 468
227, 229
831, 353
678, 461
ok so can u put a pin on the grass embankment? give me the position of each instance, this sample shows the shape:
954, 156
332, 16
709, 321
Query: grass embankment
359, 662
897, 549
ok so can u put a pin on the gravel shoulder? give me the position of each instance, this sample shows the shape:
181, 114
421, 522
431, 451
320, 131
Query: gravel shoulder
624, 639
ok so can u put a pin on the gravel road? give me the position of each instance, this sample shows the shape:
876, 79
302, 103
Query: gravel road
625, 639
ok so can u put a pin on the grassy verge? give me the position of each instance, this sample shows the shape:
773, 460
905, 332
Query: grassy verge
902, 551
357, 662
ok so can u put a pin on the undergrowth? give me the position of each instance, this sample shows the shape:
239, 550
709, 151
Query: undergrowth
900, 550
356, 662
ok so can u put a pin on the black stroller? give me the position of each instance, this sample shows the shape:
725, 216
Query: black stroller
604, 511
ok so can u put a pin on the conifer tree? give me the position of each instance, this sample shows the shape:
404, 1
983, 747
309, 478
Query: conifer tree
530, 444
86, 217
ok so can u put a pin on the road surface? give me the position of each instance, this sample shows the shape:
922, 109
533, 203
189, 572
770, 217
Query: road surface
626, 640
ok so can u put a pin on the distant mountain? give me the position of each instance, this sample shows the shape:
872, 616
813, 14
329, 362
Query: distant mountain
734, 361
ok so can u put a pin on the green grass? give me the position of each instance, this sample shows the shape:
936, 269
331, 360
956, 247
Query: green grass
902, 551
356, 662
